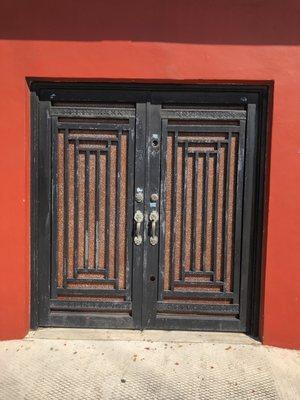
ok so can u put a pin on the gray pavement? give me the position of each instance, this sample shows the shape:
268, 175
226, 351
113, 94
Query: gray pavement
118, 365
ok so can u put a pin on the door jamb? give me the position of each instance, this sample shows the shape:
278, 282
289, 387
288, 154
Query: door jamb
261, 177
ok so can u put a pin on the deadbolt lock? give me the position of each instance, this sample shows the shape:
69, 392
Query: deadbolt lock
154, 197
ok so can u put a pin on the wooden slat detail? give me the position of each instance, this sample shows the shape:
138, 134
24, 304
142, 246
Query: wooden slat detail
203, 114
198, 308
92, 112
89, 305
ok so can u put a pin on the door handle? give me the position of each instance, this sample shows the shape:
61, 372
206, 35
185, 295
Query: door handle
138, 217
153, 217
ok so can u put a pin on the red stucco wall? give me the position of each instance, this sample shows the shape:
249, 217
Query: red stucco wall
153, 40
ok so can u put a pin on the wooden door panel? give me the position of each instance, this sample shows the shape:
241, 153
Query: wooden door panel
201, 192
91, 269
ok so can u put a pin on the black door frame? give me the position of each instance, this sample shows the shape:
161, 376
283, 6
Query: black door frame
204, 93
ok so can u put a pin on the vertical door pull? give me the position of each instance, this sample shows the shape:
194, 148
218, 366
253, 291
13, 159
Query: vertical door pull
153, 217
138, 217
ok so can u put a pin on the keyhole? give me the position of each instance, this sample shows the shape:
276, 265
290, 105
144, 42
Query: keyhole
154, 143
152, 278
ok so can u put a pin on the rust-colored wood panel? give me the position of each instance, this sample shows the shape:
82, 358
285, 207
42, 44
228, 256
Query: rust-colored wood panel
200, 209
91, 239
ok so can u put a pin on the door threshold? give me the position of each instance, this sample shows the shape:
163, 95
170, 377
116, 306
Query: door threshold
147, 336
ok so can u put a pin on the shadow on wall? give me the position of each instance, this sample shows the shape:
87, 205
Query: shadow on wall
253, 22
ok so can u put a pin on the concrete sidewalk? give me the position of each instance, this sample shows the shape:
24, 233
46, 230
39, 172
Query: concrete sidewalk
102, 364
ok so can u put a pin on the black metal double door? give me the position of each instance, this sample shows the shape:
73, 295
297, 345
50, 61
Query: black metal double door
151, 205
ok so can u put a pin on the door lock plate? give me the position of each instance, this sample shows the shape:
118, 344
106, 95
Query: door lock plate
139, 197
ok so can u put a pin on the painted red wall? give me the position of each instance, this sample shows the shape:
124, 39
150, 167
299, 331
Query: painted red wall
153, 40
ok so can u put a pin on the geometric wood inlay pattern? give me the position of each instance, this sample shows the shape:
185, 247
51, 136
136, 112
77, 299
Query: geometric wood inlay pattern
202, 189
91, 222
